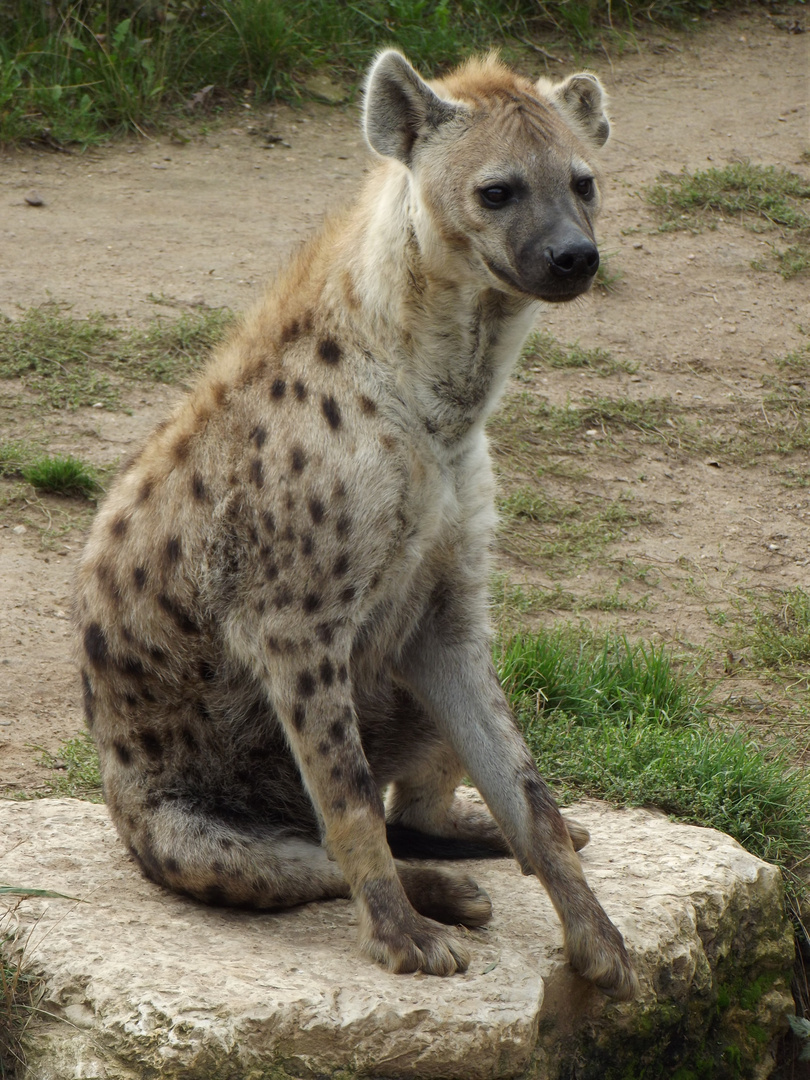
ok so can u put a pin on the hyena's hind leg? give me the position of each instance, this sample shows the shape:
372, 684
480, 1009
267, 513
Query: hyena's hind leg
425, 798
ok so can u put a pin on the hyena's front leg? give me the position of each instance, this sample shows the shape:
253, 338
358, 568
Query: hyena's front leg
314, 702
455, 680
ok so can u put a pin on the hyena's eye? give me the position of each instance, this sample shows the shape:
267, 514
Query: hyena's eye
584, 187
495, 195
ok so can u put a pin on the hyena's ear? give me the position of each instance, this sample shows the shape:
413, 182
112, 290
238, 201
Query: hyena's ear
400, 107
582, 101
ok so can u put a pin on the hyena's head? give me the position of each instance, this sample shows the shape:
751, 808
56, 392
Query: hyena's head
499, 166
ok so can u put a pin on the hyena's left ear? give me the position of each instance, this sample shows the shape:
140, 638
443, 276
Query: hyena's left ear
582, 101
400, 107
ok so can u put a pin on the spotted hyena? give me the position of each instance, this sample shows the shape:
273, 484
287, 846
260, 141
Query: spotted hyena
283, 603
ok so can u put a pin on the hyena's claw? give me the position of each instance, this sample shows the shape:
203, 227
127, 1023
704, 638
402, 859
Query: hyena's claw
420, 946
602, 959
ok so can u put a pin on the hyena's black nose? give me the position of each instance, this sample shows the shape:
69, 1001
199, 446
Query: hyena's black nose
574, 259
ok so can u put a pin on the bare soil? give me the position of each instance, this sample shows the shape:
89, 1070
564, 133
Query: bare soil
171, 225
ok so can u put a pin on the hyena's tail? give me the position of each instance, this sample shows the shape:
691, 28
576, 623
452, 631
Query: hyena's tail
256, 867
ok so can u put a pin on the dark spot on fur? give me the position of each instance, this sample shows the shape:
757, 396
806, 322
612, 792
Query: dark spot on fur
153, 747
326, 672
344, 523
139, 577
188, 738
299, 717
172, 550
290, 332
123, 753
180, 448
273, 644
278, 389
198, 488
306, 684
337, 731
307, 544
329, 350
367, 406
388, 442
317, 511
215, 895
95, 645
182, 619
257, 472
172, 866
330, 410
298, 459
201, 709
158, 655
312, 601
343, 673
269, 521
283, 597
324, 748
270, 571
107, 578
259, 435
131, 699
361, 783
219, 392
430, 426
348, 594
131, 665
324, 632
87, 699
300, 390
207, 671
119, 526
145, 490
341, 565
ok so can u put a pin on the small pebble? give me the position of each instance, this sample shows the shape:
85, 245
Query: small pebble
33, 198
19, 530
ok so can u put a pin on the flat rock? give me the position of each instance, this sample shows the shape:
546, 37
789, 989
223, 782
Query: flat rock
140, 983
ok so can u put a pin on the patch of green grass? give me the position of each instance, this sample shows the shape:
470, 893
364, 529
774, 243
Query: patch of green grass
621, 722
77, 71
62, 475
52, 353
171, 349
512, 603
542, 351
758, 195
70, 362
76, 770
536, 527
778, 632
794, 260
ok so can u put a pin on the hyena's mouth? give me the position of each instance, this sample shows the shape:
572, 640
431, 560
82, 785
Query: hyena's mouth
551, 291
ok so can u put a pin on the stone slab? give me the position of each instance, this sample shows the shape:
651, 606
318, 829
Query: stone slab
142, 983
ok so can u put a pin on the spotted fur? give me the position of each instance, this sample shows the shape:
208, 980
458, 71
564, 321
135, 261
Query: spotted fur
282, 609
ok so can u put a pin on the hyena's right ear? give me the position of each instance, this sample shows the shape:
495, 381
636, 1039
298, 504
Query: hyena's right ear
400, 107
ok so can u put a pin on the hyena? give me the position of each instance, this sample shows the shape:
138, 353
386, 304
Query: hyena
282, 606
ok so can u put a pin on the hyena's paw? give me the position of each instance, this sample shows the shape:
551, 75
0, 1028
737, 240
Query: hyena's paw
444, 896
420, 945
578, 833
601, 957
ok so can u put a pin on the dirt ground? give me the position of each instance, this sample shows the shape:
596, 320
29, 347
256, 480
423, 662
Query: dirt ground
170, 225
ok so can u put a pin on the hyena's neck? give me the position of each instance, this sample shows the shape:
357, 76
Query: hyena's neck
451, 340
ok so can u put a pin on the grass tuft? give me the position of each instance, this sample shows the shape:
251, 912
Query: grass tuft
76, 769
62, 475
779, 637
542, 350
756, 194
